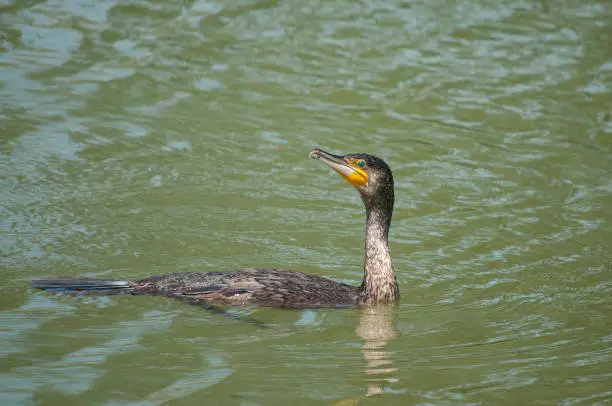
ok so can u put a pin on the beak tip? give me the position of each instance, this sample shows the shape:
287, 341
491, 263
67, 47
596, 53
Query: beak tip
314, 154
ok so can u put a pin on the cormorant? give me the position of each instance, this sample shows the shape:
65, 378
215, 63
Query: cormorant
373, 180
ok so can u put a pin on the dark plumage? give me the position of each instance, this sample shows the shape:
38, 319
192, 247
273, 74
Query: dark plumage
281, 288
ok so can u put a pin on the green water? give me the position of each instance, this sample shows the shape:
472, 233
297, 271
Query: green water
144, 137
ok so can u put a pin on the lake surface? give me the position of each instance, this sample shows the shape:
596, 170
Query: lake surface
145, 137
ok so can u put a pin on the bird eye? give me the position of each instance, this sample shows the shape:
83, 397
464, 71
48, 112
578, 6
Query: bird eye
361, 163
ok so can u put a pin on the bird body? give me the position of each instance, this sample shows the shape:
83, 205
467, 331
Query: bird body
274, 287
248, 286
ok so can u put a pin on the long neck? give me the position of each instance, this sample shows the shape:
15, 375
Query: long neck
379, 284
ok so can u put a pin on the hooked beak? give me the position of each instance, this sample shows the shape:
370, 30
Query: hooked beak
346, 167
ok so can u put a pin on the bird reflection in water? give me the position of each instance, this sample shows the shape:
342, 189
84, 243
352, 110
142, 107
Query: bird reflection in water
376, 327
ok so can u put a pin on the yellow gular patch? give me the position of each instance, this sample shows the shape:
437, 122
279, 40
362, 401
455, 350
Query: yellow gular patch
357, 176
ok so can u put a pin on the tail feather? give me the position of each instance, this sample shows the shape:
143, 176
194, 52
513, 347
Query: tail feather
83, 285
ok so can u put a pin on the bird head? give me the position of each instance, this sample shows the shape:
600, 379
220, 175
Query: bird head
370, 175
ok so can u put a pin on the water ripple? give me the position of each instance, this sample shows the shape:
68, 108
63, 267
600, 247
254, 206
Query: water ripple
150, 137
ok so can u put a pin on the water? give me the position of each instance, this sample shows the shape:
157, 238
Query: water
148, 137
